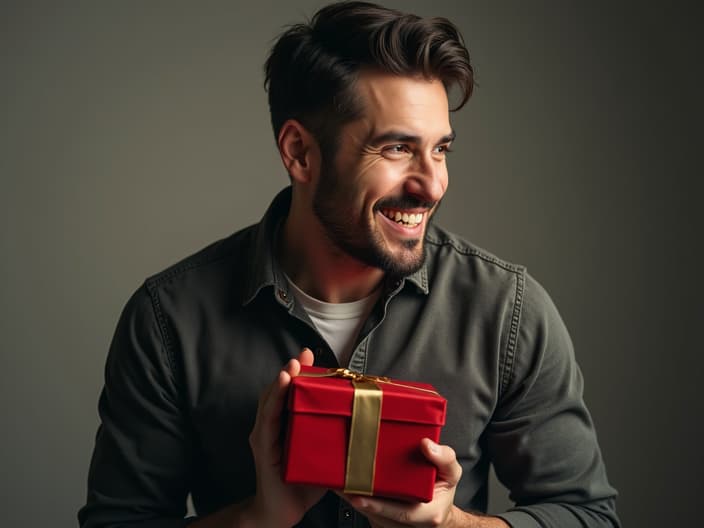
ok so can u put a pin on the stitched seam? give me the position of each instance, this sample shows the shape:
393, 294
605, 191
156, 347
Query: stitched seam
470, 251
163, 330
169, 274
199, 259
513, 335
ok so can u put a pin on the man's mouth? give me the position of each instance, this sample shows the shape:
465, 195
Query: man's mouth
405, 219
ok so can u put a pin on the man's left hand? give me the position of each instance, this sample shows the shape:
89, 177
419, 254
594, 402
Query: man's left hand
440, 512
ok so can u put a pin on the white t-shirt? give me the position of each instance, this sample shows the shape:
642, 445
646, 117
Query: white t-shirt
338, 323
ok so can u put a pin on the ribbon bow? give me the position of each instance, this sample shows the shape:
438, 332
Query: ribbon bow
356, 376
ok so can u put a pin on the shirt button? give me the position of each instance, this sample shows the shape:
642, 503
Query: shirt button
347, 514
283, 296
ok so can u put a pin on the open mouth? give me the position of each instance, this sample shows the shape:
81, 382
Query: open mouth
404, 219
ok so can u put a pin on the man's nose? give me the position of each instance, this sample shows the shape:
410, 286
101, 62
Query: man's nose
429, 178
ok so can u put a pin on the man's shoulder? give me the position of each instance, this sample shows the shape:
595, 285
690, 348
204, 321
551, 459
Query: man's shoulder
449, 249
226, 257
461, 266
243, 256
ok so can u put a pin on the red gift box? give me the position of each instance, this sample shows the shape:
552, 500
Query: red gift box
361, 434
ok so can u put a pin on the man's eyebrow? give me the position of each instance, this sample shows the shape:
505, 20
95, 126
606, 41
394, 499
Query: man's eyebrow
401, 137
393, 137
448, 138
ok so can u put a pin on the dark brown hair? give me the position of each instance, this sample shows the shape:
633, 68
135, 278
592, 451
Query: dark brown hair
311, 70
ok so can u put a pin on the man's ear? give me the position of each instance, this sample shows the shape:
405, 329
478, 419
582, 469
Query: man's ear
299, 151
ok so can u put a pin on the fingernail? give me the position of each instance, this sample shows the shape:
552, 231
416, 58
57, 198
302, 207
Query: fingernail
433, 447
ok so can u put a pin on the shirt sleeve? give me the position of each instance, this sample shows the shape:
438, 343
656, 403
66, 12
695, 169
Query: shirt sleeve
140, 465
542, 439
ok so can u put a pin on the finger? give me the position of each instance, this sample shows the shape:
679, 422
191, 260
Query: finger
273, 387
444, 459
293, 367
271, 403
306, 357
267, 424
385, 512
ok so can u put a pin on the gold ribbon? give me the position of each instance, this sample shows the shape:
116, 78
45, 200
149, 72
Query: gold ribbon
364, 433
364, 427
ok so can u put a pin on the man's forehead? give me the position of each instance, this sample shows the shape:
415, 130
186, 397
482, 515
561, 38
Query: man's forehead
381, 88
403, 104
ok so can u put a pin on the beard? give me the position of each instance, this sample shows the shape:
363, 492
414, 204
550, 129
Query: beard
357, 236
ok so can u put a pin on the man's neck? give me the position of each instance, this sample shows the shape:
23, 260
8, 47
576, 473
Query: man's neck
320, 269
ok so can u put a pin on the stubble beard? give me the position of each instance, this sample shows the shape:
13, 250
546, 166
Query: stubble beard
363, 242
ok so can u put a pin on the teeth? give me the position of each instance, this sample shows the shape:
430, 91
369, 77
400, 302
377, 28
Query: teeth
403, 218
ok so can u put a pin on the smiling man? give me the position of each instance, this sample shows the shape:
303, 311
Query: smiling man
362, 213
346, 269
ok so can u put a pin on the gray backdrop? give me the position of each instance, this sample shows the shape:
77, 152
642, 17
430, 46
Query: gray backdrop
133, 133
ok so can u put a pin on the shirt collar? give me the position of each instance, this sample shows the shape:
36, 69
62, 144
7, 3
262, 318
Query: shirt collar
420, 278
263, 269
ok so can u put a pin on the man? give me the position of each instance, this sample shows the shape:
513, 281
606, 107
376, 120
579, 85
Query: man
346, 269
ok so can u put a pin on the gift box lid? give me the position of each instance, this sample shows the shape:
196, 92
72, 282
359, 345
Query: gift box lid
330, 391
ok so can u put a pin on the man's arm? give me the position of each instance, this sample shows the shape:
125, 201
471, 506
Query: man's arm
140, 469
541, 441
276, 504
140, 466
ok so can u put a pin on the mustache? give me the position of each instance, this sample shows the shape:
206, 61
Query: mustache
403, 202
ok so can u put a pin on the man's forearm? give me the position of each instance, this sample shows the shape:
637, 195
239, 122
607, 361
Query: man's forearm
462, 519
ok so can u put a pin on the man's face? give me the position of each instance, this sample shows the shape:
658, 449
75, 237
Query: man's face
375, 198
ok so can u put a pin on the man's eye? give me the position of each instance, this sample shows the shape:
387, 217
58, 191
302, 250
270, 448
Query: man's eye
396, 149
443, 149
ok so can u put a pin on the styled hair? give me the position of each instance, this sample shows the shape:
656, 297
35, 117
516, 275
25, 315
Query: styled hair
311, 70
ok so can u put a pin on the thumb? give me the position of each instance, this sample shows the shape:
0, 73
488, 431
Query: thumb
306, 357
444, 459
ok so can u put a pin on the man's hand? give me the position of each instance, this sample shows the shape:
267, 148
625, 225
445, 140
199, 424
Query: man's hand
440, 512
277, 504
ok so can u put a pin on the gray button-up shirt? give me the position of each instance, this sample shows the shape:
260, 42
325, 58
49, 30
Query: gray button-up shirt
198, 342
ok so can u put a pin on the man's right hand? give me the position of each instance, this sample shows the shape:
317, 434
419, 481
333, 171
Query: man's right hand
276, 504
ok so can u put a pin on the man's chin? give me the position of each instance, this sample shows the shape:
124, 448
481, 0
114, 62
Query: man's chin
410, 260
412, 244
400, 259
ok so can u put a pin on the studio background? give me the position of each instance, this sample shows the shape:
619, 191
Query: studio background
134, 133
